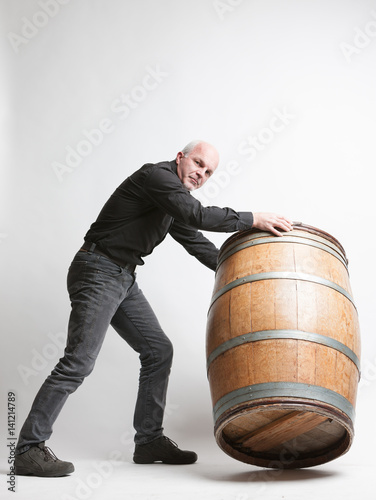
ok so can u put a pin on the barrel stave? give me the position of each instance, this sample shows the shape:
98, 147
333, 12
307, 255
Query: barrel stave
288, 325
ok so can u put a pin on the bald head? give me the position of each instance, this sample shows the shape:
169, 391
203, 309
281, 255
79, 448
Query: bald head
196, 163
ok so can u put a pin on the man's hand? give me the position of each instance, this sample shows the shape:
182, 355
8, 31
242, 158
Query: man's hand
269, 222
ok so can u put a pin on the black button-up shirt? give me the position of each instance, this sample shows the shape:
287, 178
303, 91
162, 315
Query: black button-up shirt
153, 202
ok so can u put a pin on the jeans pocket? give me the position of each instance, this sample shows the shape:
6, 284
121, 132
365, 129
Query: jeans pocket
107, 267
76, 275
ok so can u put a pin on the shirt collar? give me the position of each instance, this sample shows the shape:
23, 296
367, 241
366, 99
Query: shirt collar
174, 166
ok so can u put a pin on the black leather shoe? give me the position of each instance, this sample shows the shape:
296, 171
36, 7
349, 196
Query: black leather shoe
163, 450
40, 461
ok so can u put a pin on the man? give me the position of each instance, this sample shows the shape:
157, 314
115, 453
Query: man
152, 202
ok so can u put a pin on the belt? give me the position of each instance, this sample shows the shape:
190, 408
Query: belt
88, 246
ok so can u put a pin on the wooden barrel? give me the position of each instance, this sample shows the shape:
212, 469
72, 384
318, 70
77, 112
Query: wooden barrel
283, 349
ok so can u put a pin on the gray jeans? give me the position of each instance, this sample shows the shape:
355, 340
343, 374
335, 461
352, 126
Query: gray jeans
102, 294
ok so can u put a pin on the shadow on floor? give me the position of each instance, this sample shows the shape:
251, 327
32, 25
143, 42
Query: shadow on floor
265, 475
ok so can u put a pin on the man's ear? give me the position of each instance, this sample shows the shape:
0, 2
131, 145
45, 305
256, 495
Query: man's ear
178, 157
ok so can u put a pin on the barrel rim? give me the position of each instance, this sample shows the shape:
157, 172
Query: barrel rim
262, 459
296, 225
282, 389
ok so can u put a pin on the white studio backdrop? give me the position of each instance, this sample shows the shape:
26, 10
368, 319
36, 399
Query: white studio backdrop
93, 89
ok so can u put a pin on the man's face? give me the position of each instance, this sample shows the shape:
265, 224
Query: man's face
196, 168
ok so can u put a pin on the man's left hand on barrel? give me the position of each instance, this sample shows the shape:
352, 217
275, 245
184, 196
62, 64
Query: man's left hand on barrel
270, 222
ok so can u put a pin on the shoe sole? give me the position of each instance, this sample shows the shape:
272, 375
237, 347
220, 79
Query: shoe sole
151, 461
24, 471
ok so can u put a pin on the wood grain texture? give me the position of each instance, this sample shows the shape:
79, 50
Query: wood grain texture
282, 430
284, 304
